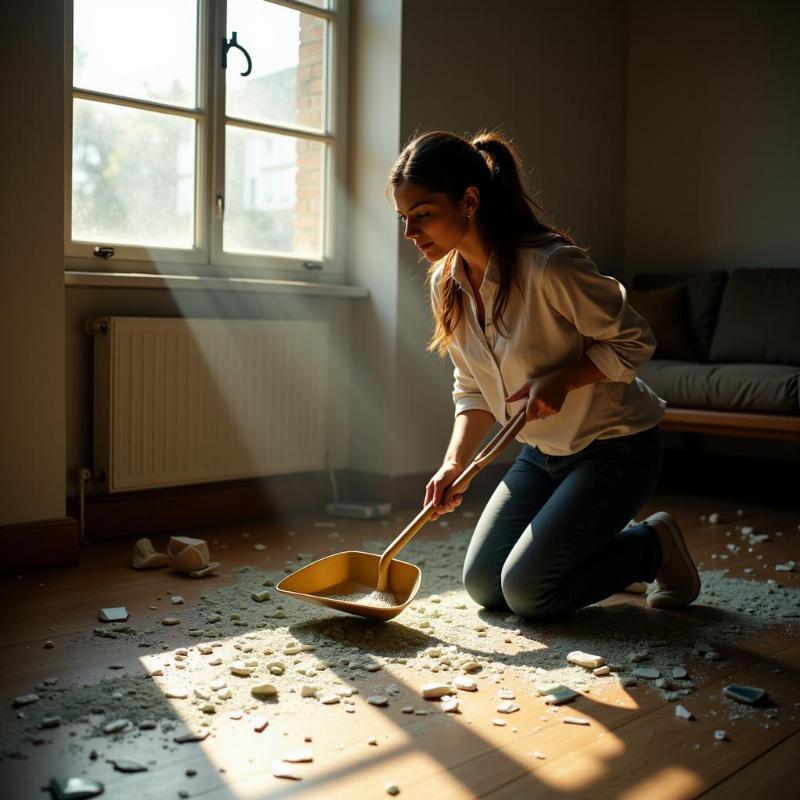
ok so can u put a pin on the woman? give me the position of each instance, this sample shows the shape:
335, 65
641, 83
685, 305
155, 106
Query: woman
526, 317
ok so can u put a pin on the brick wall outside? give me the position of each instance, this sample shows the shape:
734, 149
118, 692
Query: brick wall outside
310, 155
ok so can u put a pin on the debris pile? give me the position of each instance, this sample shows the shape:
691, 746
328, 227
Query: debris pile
244, 653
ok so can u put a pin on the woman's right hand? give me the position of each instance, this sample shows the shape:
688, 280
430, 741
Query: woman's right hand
436, 486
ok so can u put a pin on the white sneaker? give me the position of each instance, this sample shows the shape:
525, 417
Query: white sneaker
677, 582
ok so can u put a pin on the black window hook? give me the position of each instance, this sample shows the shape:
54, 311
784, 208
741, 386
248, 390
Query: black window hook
226, 45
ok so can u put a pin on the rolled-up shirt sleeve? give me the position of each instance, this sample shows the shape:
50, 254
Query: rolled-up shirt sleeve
597, 305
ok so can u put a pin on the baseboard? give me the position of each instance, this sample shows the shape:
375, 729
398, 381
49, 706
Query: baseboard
408, 491
40, 545
113, 516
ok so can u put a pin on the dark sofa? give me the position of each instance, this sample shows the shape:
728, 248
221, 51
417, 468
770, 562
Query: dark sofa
728, 355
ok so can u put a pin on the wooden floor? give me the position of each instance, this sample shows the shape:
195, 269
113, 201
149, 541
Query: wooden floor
635, 747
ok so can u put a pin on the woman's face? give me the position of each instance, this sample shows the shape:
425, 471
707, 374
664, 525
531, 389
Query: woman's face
432, 221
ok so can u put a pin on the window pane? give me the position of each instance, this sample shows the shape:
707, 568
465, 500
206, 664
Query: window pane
273, 194
286, 86
145, 49
133, 176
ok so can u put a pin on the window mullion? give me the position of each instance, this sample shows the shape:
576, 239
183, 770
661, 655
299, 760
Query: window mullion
205, 32
216, 119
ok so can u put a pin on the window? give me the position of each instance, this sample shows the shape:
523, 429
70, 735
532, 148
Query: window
176, 163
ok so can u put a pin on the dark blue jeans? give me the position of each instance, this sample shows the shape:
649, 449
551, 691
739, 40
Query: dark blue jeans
552, 537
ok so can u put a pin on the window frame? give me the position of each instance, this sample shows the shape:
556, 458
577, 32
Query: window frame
207, 258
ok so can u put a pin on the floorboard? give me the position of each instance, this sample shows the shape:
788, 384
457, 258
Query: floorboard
633, 748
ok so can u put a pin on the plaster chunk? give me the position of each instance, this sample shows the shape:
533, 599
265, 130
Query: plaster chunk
587, 660
264, 690
116, 726
647, 672
25, 700
679, 672
378, 700
450, 704
116, 614
300, 756
432, 691
280, 769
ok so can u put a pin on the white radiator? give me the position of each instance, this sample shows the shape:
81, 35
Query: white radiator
183, 401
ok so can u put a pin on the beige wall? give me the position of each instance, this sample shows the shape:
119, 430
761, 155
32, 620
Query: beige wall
32, 429
552, 74
712, 162
656, 132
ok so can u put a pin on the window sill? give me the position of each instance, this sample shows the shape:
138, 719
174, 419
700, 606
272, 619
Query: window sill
136, 280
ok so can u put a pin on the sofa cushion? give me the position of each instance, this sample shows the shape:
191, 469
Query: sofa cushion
759, 318
703, 295
667, 313
765, 388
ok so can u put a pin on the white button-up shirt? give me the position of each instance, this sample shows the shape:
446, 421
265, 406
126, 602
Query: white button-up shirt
566, 308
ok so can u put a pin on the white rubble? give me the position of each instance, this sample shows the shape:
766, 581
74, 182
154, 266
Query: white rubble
280, 769
432, 691
378, 700
298, 756
587, 660
450, 704
25, 700
646, 672
264, 690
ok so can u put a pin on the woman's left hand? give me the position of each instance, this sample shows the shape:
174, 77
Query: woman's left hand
546, 395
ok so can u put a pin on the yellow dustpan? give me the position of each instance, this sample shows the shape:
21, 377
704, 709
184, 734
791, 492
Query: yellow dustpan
355, 572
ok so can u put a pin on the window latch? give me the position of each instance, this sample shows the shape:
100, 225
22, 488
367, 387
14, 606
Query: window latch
226, 45
102, 251
220, 206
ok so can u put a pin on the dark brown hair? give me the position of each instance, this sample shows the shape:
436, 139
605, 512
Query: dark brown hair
445, 162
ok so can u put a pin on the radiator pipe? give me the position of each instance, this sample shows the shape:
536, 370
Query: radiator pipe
84, 476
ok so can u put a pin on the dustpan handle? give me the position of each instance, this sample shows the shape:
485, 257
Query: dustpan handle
484, 457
